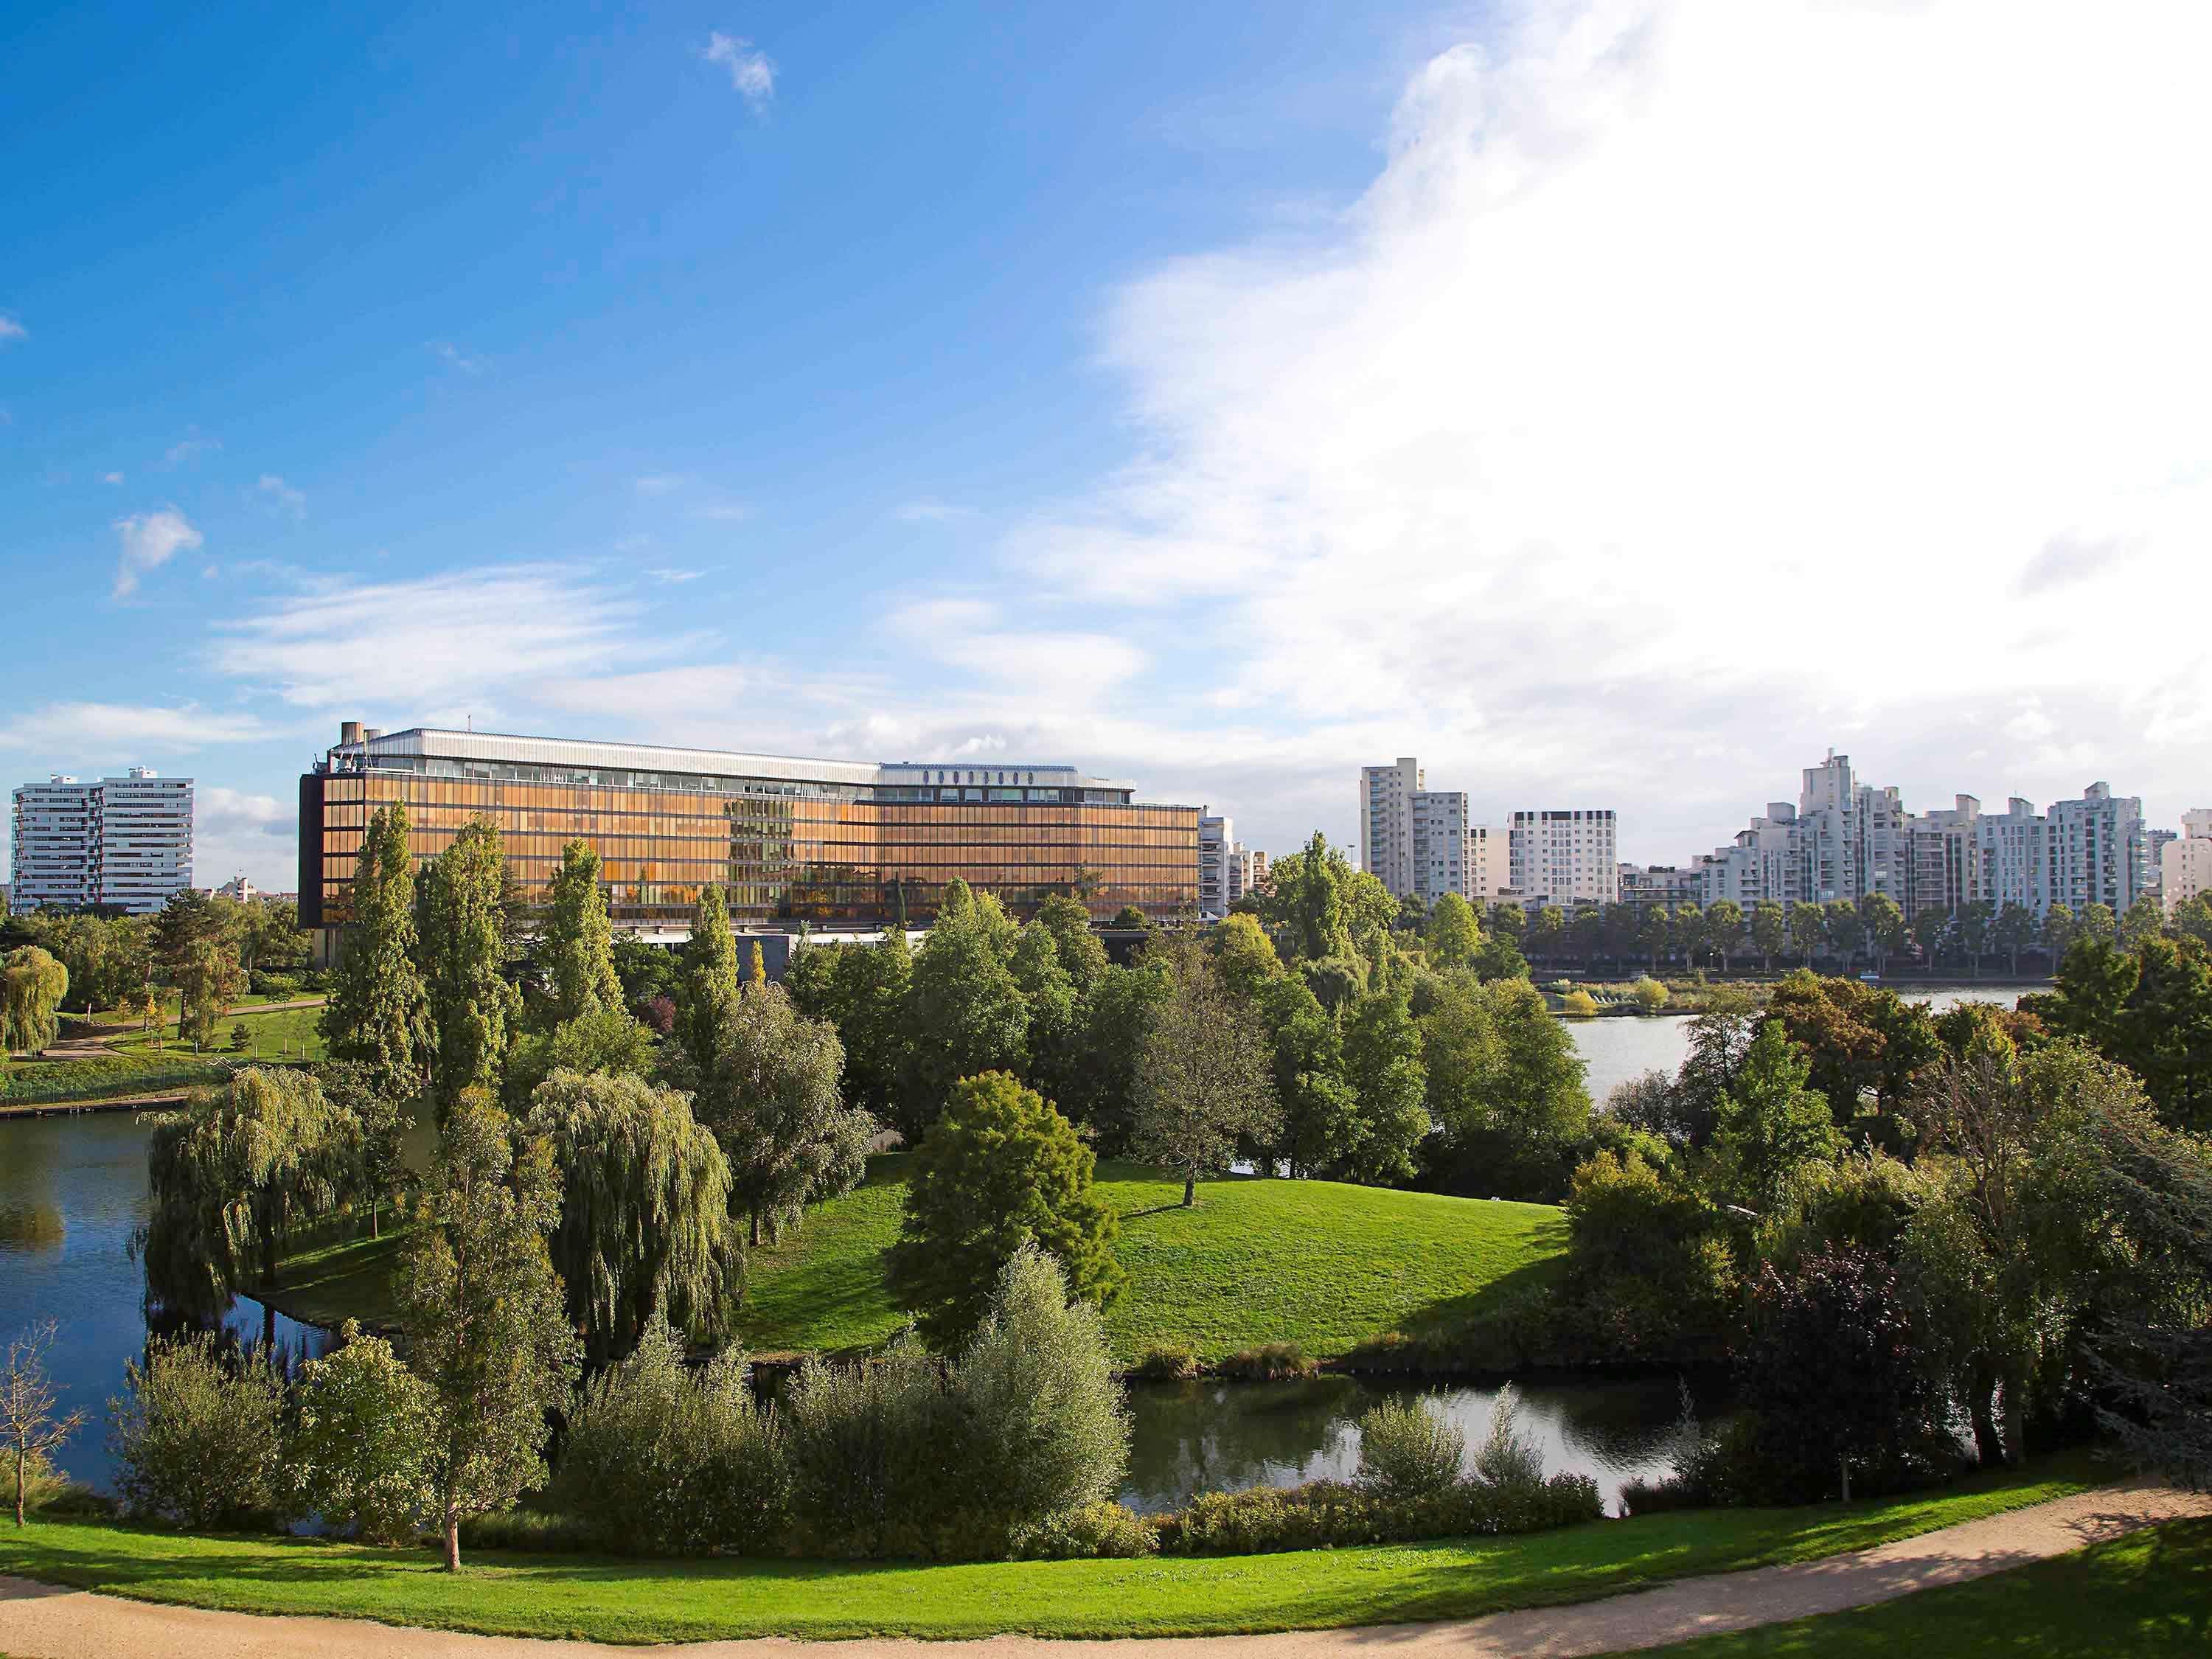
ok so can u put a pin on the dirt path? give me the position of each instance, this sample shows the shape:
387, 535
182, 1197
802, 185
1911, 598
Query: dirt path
37, 1622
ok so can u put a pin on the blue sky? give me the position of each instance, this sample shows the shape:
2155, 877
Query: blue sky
1586, 397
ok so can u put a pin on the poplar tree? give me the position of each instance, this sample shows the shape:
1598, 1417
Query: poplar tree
709, 990
577, 950
379, 1012
965, 1012
481, 1305
475, 1013
645, 1204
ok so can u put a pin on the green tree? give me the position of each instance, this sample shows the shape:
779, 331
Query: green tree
2145, 919
1931, 930
1130, 916
482, 1308
354, 1454
475, 1013
1846, 930
2013, 933
2097, 923
710, 979
1454, 933
1973, 924
2057, 931
379, 1011
1383, 1065
2192, 919
1809, 929
1309, 900
1320, 1112
1204, 1081
609, 1041
865, 998
1056, 1034
773, 1103
1506, 1090
32, 986
999, 1166
1652, 933
964, 1014
1770, 1126
1244, 955
576, 951
380, 1123
1587, 931
1545, 934
1724, 929
645, 1199
1080, 953
233, 1174
1769, 931
1887, 929
1101, 1095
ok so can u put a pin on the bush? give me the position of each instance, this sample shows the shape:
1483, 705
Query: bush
355, 1455
1272, 1361
1330, 1514
1173, 1364
1407, 1451
1507, 1457
658, 1014
1096, 1531
44, 1486
1047, 1429
877, 1458
1651, 995
277, 987
242, 1037
197, 1440
1578, 1004
660, 1461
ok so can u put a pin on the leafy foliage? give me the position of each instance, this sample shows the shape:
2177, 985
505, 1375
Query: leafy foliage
460, 921
1204, 1081
379, 1011
197, 1439
354, 1454
576, 951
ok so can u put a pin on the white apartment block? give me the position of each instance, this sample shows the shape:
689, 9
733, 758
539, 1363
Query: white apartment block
125, 841
1420, 842
2099, 850
2185, 863
2012, 856
1564, 857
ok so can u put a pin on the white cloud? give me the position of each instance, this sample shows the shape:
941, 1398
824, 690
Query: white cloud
435, 647
11, 329
454, 357
281, 496
669, 576
110, 477
750, 71
659, 484
927, 509
189, 448
119, 732
1695, 385
149, 541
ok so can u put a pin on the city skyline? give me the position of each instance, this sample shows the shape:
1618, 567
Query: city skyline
1220, 398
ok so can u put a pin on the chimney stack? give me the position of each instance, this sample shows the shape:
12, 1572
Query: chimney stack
349, 732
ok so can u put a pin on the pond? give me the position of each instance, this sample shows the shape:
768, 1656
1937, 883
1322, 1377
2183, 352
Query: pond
1191, 1438
1618, 1048
72, 1190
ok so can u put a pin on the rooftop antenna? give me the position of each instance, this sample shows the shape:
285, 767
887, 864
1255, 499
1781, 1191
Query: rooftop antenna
471, 719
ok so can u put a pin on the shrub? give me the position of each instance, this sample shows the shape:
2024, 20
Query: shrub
1330, 1514
197, 1440
277, 987
1407, 1451
1172, 1364
1270, 1363
44, 1485
658, 1014
1650, 994
1093, 1532
660, 1461
877, 1458
1507, 1457
1047, 1431
1578, 1004
242, 1037
355, 1455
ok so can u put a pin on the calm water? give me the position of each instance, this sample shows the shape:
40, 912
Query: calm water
71, 1191
1192, 1437
1617, 1049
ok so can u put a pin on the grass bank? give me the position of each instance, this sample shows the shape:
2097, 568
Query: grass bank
1314, 1262
104, 1077
630, 1601
2146, 1595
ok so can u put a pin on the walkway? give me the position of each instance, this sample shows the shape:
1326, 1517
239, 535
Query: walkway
40, 1623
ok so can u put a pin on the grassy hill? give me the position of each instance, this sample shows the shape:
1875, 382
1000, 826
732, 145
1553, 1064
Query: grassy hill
1314, 1263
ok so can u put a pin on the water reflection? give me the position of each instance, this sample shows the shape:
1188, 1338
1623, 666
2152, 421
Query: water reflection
1191, 1438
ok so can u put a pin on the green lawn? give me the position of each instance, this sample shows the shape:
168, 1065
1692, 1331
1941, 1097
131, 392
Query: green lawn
624, 1600
2146, 1594
1314, 1262
327, 1283
287, 1034
104, 1077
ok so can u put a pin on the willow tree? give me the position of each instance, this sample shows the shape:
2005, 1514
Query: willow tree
577, 950
379, 1014
32, 983
481, 1305
774, 1103
644, 1227
235, 1172
475, 1013
709, 991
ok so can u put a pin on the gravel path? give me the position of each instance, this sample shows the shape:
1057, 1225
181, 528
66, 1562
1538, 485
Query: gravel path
38, 1622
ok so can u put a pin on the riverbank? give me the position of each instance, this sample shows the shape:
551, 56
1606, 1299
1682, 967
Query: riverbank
630, 1600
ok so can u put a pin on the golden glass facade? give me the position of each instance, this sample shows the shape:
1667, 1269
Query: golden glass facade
825, 853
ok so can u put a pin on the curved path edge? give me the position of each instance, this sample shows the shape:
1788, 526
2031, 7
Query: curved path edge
38, 1621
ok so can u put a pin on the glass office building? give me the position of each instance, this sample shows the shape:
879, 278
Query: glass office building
834, 843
